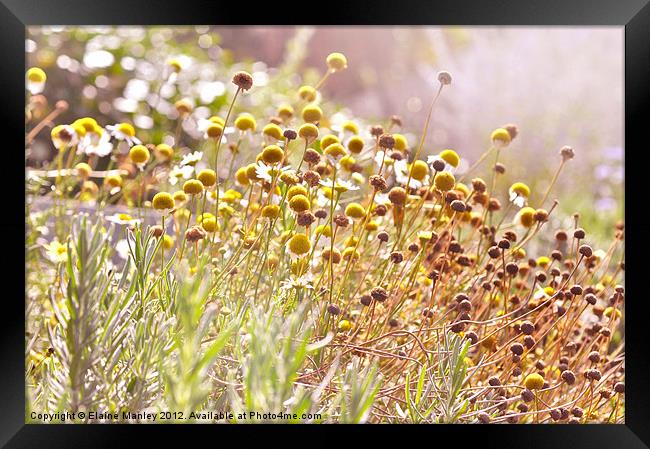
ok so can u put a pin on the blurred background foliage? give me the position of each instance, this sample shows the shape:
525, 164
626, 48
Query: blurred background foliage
561, 86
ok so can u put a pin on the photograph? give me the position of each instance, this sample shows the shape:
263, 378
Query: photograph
324, 224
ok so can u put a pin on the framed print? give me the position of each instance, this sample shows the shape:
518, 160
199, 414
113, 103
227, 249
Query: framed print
393, 214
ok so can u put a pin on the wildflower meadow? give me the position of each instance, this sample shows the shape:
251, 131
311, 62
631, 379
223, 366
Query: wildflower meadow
237, 247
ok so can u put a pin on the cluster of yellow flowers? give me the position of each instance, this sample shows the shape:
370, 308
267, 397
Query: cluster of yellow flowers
355, 221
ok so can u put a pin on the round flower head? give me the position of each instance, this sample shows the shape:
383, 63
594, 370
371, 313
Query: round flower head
397, 196
184, 107
308, 132
218, 120
210, 224
534, 381
195, 233
323, 230
85, 125
519, 193
445, 181
372, 226
567, 153
307, 93
272, 154
289, 177
242, 80
400, 142
350, 253
312, 113
296, 190
525, 217
500, 137
180, 197
168, 242
245, 122
36, 75
113, 181
355, 210
242, 177
350, 127
213, 131
63, 136
335, 151
83, 170
299, 203
35, 80
387, 141
298, 245
163, 200
355, 144
207, 177
193, 187
163, 152
520, 188
328, 140
334, 255
419, 170
344, 325
285, 112
337, 62
204, 216
272, 130
139, 154
450, 157
271, 211
348, 162
444, 78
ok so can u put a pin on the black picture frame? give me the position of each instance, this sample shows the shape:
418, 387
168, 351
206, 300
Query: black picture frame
633, 15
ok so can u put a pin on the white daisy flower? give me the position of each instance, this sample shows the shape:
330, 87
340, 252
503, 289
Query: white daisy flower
177, 173
341, 185
56, 252
125, 132
96, 143
517, 200
122, 219
192, 158
267, 172
518, 194
304, 281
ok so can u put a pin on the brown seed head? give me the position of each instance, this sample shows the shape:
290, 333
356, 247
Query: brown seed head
243, 80
379, 294
397, 196
311, 156
378, 182
195, 233
567, 153
386, 141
